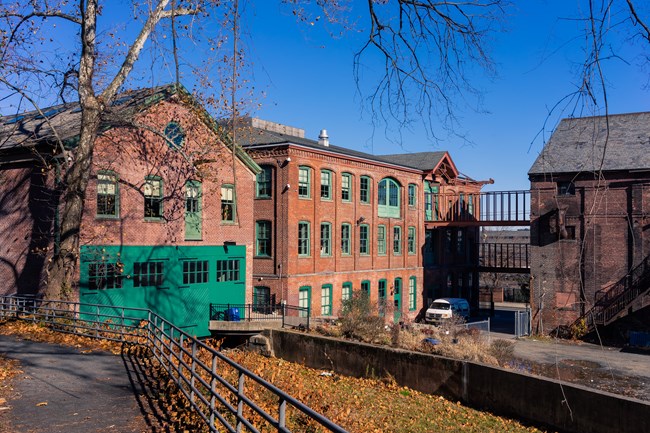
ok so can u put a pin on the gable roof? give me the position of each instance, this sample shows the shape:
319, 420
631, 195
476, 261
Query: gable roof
63, 122
253, 137
578, 144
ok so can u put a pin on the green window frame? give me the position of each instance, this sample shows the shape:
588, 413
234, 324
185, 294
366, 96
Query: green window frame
108, 197
364, 189
263, 242
228, 203
346, 230
346, 187
397, 240
174, 134
365, 287
195, 271
228, 270
264, 182
326, 185
412, 294
326, 300
261, 299
381, 240
346, 291
193, 212
153, 198
304, 239
148, 274
388, 198
102, 276
304, 182
326, 239
381, 296
412, 194
411, 240
304, 300
364, 239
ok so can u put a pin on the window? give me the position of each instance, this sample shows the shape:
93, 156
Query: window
228, 270
264, 183
397, 240
153, 198
388, 198
412, 294
303, 239
193, 217
460, 243
346, 187
412, 194
365, 288
262, 299
382, 296
381, 239
326, 184
566, 188
175, 135
346, 294
411, 240
345, 239
364, 248
107, 197
304, 300
304, 182
148, 274
326, 300
228, 203
263, 238
104, 276
325, 239
195, 271
364, 189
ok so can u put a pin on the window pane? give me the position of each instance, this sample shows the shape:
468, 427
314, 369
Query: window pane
364, 190
304, 186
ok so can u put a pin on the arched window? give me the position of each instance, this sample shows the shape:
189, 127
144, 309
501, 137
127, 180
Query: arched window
388, 198
174, 134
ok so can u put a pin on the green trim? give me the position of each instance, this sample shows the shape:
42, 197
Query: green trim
116, 194
397, 240
304, 184
365, 287
382, 285
346, 291
308, 239
326, 243
368, 189
268, 228
364, 241
347, 189
301, 290
267, 170
412, 294
412, 243
148, 181
326, 308
389, 198
326, 174
381, 240
228, 213
346, 240
193, 211
412, 194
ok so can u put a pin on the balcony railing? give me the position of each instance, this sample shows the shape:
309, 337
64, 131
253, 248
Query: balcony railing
280, 313
504, 255
498, 207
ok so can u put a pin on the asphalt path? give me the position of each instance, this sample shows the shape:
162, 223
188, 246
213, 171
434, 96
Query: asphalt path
65, 389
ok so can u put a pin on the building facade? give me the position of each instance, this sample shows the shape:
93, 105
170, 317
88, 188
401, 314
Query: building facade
331, 221
590, 189
167, 223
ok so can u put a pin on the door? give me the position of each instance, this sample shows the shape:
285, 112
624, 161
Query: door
397, 300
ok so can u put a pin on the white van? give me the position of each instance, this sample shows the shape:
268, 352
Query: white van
445, 308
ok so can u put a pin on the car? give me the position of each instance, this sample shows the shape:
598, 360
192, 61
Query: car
447, 308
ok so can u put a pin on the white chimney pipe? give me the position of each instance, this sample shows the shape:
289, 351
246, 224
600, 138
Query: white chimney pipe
323, 138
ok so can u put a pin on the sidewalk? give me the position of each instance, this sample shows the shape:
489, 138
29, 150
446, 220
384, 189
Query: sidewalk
65, 390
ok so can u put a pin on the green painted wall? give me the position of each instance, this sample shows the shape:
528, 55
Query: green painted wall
185, 305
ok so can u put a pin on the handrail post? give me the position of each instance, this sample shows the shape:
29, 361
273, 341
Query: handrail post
193, 370
282, 413
213, 392
240, 402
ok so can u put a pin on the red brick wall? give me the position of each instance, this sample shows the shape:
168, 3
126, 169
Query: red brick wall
608, 219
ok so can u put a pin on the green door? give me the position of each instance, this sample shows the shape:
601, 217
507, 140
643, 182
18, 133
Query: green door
397, 299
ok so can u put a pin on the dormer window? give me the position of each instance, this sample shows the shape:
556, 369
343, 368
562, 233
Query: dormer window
175, 135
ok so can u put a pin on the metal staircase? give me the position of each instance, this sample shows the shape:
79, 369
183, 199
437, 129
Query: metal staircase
612, 303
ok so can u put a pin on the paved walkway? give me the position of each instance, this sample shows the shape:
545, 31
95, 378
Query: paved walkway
63, 389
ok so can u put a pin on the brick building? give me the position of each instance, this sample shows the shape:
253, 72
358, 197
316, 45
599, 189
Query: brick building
590, 189
167, 223
330, 221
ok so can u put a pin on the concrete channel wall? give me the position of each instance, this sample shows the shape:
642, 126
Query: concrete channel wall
545, 402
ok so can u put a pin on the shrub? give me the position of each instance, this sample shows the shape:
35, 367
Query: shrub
359, 320
502, 350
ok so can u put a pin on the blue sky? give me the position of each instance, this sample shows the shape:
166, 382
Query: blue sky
308, 79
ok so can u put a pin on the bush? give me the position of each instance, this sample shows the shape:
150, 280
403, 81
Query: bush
502, 350
359, 320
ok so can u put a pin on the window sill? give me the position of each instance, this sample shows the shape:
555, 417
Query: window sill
154, 220
263, 257
107, 217
264, 198
303, 197
228, 223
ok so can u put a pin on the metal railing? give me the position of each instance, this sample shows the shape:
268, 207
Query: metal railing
214, 385
287, 315
504, 255
522, 322
494, 206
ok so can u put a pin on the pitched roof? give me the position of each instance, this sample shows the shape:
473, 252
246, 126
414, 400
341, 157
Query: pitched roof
63, 122
251, 137
578, 144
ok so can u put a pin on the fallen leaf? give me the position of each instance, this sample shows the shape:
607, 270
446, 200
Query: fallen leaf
43, 403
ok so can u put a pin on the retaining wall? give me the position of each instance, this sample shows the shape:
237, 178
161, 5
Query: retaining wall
542, 401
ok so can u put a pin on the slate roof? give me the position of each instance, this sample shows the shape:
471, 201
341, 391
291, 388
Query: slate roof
63, 121
252, 137
577, 145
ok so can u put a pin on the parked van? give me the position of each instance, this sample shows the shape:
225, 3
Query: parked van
446, 308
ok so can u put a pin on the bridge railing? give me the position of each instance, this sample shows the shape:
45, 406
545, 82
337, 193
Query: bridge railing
493, 206
215, 386
504, 255
288, 315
